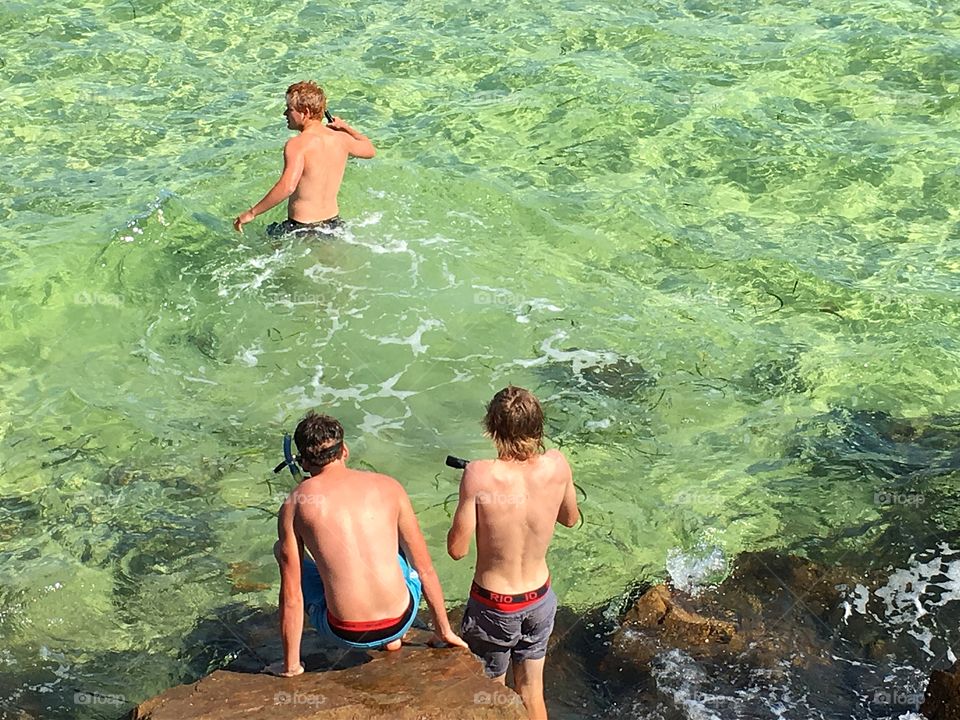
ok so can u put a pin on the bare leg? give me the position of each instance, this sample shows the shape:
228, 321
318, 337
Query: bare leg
528, 677
395, 645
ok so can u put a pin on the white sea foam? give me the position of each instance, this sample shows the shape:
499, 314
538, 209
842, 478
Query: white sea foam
371, 219
415, 339
203, 381
598, 424
472, 218
249, 356
385, 246
535, 305
436, 240
387, 389
154, 208
238, 279
680, 678
579, 359
373, 424
693, 571
320, 271
910, 593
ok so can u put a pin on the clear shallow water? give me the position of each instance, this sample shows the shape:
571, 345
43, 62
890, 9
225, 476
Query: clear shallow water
719, 239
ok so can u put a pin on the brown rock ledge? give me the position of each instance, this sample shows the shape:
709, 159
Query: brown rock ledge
414, 683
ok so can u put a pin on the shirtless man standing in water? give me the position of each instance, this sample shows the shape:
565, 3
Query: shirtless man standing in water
356, 585
313, 165
513, 503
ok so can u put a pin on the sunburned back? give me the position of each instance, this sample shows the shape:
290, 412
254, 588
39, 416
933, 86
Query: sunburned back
348, 523
324, 161
517, 506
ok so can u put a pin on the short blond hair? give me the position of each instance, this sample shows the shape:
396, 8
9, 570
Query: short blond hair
307, 97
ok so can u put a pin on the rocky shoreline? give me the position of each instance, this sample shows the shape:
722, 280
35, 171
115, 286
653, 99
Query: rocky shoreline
778, 622
414, 683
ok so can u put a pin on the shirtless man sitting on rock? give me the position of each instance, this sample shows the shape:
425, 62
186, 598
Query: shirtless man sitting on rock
513, 503
313, 166
355, 586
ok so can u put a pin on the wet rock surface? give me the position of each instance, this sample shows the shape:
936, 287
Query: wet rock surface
942, 699
772, 609
779, 628
661, 620
416, 682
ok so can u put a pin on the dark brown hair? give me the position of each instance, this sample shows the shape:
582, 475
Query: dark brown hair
319, 439
307, 97
514, 421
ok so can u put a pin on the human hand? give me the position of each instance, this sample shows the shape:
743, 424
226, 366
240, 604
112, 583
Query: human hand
446, 639
339, 124
242, 219
279, 669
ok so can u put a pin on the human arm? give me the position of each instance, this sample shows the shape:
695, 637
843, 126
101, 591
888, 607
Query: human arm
415, 547
284, 187
289, 552
358, 145
465, 518
568, 514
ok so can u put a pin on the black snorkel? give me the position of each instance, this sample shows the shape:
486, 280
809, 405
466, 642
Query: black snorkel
328, 116
456, 463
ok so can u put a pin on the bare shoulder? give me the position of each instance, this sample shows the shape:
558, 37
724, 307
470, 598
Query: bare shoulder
289, 504
302, 498
478, 472
296, 144
384, 484
557, 462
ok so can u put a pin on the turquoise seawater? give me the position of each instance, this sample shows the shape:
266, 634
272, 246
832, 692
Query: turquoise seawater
719, 240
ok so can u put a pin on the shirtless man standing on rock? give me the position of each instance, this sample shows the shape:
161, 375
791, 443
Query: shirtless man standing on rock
313, 166
513, 503
356, 585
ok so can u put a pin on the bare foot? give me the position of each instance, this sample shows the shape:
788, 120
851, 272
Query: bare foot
395, 645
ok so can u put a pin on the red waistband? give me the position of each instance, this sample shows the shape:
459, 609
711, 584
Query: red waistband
351, 626
507, 603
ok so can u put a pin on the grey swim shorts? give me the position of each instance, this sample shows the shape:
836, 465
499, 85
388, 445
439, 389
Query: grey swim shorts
498, 636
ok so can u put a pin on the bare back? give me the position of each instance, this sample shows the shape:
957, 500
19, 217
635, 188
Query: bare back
324, 153
517, 508
349, 523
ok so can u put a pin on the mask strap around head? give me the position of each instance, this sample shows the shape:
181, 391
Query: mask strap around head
330, 453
